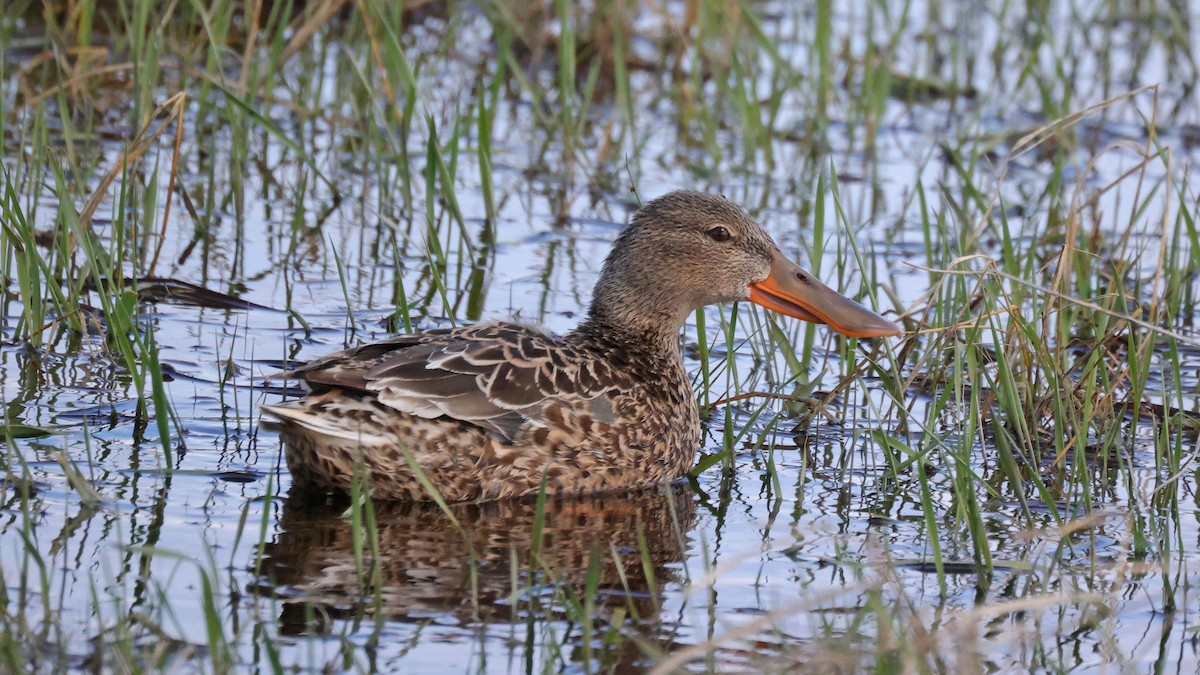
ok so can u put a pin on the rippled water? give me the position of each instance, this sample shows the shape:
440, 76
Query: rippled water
807, 544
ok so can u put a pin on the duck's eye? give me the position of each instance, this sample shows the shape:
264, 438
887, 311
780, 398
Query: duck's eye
720, 233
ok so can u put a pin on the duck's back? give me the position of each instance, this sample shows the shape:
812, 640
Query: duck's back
486, 412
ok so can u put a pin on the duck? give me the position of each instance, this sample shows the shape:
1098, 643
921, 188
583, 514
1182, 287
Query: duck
502, 410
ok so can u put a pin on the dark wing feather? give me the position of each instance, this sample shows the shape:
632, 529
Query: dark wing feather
500, 377
348, 368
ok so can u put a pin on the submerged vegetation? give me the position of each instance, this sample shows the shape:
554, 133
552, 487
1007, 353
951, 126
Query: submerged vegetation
193, 193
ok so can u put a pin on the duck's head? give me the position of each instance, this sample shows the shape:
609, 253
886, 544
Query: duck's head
686, 250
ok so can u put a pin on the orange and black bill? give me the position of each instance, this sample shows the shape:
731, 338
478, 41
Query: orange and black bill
792, 291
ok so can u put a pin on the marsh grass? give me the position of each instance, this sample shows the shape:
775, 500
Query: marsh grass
1048, 363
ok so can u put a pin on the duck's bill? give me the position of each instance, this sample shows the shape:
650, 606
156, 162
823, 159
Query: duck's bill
793, 291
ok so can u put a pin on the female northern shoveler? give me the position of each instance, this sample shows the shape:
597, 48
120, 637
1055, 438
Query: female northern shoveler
490, 411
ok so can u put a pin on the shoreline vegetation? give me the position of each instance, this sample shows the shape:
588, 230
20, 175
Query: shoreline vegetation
195, 193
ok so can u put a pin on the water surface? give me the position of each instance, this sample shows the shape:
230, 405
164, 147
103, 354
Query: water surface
807, 548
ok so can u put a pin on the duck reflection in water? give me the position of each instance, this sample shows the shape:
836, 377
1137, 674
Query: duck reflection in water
424, 566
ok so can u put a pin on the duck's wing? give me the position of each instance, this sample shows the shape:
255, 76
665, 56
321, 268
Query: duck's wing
504, 378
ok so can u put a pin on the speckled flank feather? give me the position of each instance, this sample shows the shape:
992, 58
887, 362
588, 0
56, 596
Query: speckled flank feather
488, 411
485, 411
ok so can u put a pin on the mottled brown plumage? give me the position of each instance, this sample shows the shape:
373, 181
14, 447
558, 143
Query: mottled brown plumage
490, 411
